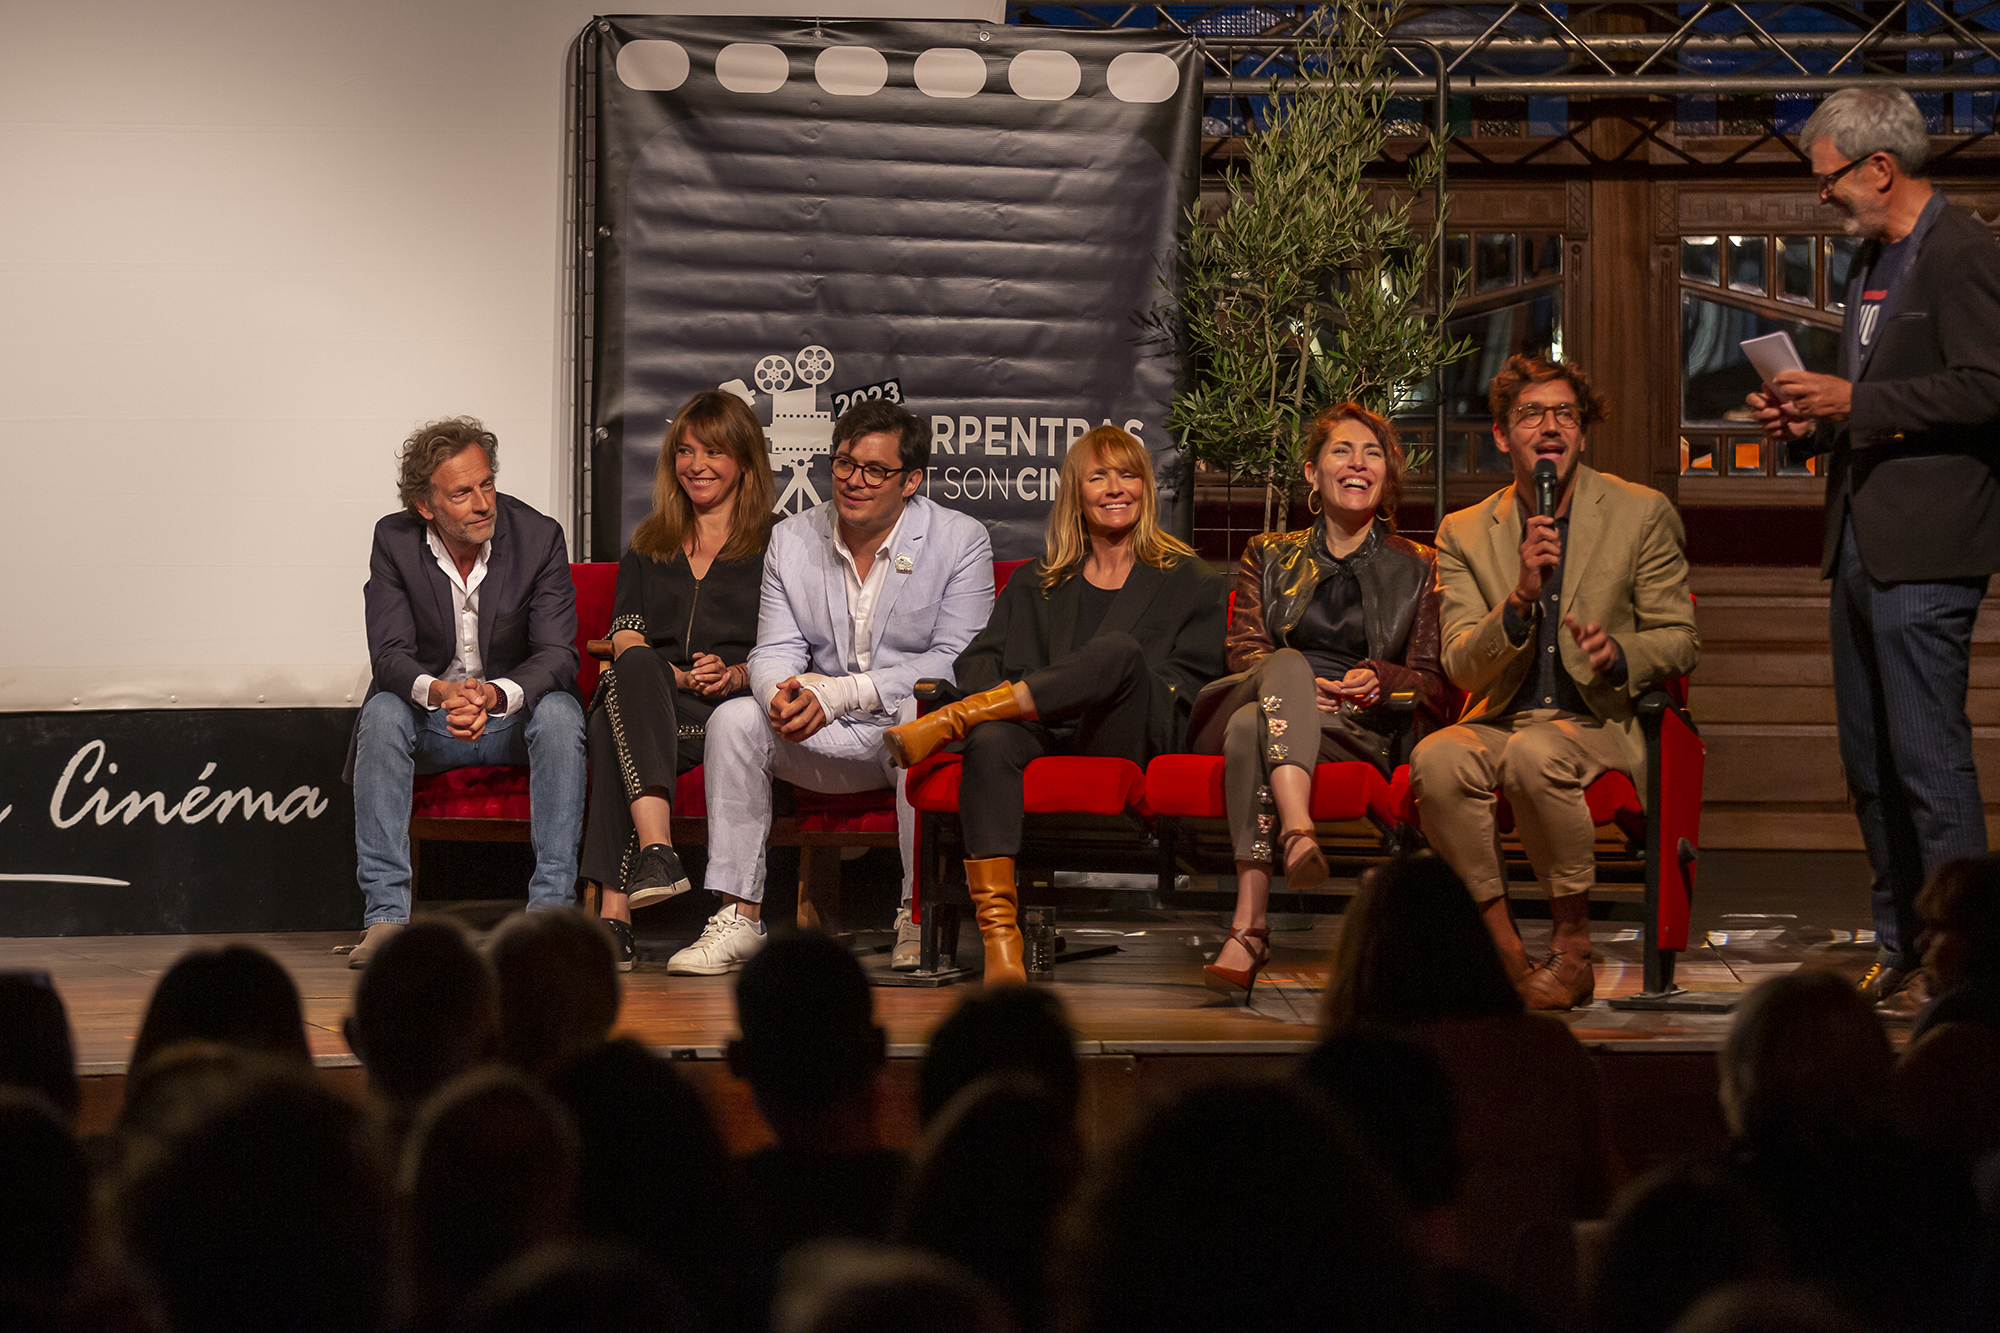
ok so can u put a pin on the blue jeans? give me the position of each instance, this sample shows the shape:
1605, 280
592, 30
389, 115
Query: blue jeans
397, 740
1902, 660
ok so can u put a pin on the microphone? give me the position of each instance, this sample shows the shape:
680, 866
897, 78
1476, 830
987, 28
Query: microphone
1545, 488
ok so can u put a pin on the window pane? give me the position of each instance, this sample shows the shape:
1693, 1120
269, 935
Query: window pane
1839, 251
1697, 456
1489, 456
1746, 264
1541, 257
1715, 375
1496, 261
1747, 456
1701, 258
1457, 255
1795, 267
1809, 468
1528, 328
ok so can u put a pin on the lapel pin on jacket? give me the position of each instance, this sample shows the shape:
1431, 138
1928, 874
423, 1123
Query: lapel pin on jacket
904, 564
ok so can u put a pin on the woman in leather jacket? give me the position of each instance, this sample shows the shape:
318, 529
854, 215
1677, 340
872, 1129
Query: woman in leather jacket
1334, 639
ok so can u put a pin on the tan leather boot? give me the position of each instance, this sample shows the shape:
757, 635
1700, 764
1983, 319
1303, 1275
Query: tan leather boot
914, 742
996, 901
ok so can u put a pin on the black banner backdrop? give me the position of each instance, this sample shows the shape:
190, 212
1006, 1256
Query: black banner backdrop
160, 822
973, 220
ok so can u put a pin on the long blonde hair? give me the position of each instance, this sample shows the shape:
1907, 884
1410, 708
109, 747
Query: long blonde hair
723, 422
1069, 537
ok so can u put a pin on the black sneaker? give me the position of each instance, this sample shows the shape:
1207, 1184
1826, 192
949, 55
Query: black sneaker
622, 947
657, 877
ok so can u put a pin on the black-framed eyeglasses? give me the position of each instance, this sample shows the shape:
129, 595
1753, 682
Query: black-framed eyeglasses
874, 473
1531, 414
1827, 181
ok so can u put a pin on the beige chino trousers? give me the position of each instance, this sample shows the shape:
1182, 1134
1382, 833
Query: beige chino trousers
1542, 759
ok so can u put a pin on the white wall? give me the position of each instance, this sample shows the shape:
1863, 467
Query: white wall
244, 248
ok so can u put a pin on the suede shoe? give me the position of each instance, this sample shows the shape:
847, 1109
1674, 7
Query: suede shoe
1910, 998
909, 950
623, 947
1560, 981
372, 939
1881, 980
657, 877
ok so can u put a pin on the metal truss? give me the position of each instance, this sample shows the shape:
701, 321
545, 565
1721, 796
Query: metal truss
1524, 49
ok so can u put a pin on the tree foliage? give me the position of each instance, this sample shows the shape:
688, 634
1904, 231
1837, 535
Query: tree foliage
1307, 289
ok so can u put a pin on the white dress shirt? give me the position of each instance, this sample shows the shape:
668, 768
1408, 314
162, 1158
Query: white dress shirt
465, 663
855, 692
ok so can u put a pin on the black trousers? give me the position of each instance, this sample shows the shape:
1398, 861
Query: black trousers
644, 732
1099, 701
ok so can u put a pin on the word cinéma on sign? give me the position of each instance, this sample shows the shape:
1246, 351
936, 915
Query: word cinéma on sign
197, 804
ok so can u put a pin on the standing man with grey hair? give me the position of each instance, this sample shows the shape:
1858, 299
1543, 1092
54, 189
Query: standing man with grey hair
1912, 425
471, 627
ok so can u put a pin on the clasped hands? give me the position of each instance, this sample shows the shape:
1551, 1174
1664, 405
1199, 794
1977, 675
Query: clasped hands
1359, 688
466, 704
795, 711
709, 677
1795, 400
1541, 551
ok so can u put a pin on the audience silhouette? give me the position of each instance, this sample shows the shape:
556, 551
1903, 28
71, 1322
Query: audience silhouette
234, 995
426, 1010
559, 992
36, 1052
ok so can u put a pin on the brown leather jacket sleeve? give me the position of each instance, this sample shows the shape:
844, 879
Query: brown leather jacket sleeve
1248, 643
1421, 670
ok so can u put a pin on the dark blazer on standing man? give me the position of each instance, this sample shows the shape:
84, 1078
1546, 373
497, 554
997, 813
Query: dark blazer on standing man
527, 608
1175, 613
1917, 462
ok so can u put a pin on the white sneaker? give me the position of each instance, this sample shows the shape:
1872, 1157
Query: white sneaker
727, 942
909, 942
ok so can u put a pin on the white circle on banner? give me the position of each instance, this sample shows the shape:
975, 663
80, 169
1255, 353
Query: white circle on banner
851, 71
815, 365
949, 71
751, 67
1044, 76
653, 67
1143, 76
774, 373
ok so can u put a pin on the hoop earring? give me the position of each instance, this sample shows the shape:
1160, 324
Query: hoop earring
1313, 503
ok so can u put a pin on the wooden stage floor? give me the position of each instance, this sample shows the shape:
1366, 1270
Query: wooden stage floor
1143, 1019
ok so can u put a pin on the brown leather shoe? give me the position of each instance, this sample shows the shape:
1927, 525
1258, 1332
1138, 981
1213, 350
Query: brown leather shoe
1910, 998
913, 742
1559, 981
1881, 980
990, 882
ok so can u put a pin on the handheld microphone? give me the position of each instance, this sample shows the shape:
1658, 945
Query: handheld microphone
1545, 488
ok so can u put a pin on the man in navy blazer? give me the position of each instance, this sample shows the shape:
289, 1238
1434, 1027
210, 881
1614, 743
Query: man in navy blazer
864, 596
471, 629
1911, 425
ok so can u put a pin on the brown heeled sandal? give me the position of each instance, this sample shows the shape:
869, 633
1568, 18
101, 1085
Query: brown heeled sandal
1256, 941
1312, 869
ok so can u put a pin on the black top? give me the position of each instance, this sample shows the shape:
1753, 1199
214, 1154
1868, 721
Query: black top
1548, 683
681, 615
1332, 632
1092, 603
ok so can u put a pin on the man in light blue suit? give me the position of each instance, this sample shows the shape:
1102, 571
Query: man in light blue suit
864, 596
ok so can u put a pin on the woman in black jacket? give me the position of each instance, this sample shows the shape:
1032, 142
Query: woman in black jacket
682, 629
1097, 648
1334, 642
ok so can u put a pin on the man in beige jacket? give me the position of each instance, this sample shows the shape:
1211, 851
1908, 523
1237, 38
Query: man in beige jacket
1552, 625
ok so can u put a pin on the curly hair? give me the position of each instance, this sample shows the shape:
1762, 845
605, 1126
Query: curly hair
431, 446
1522, 371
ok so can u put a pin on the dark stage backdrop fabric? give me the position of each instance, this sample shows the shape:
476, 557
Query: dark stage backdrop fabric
978, 221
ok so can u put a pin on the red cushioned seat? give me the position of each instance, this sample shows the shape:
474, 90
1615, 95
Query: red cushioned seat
1612, 799
1053, 785
847, 812
1347, 791
1189, 786
499, 792
691, 795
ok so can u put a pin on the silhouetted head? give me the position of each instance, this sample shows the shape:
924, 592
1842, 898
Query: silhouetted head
235, 995
1960, 907
261, 1210
44, 1208
576, 1287
558, 987
648, 1147
489, 1173
1400, 1102
1414, 907
1768, 1307
990, 1178
1020, 1028
1710, 1225
809, 1034
36, 1051
1313, 1236
1806, 1065
853, 1287
426, 1010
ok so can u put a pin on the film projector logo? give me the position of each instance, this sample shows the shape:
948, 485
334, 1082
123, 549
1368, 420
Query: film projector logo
799, 432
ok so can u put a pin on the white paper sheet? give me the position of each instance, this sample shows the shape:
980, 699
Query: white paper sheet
1772, 353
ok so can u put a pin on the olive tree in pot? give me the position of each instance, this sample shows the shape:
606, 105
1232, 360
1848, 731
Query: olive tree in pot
1313, 285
